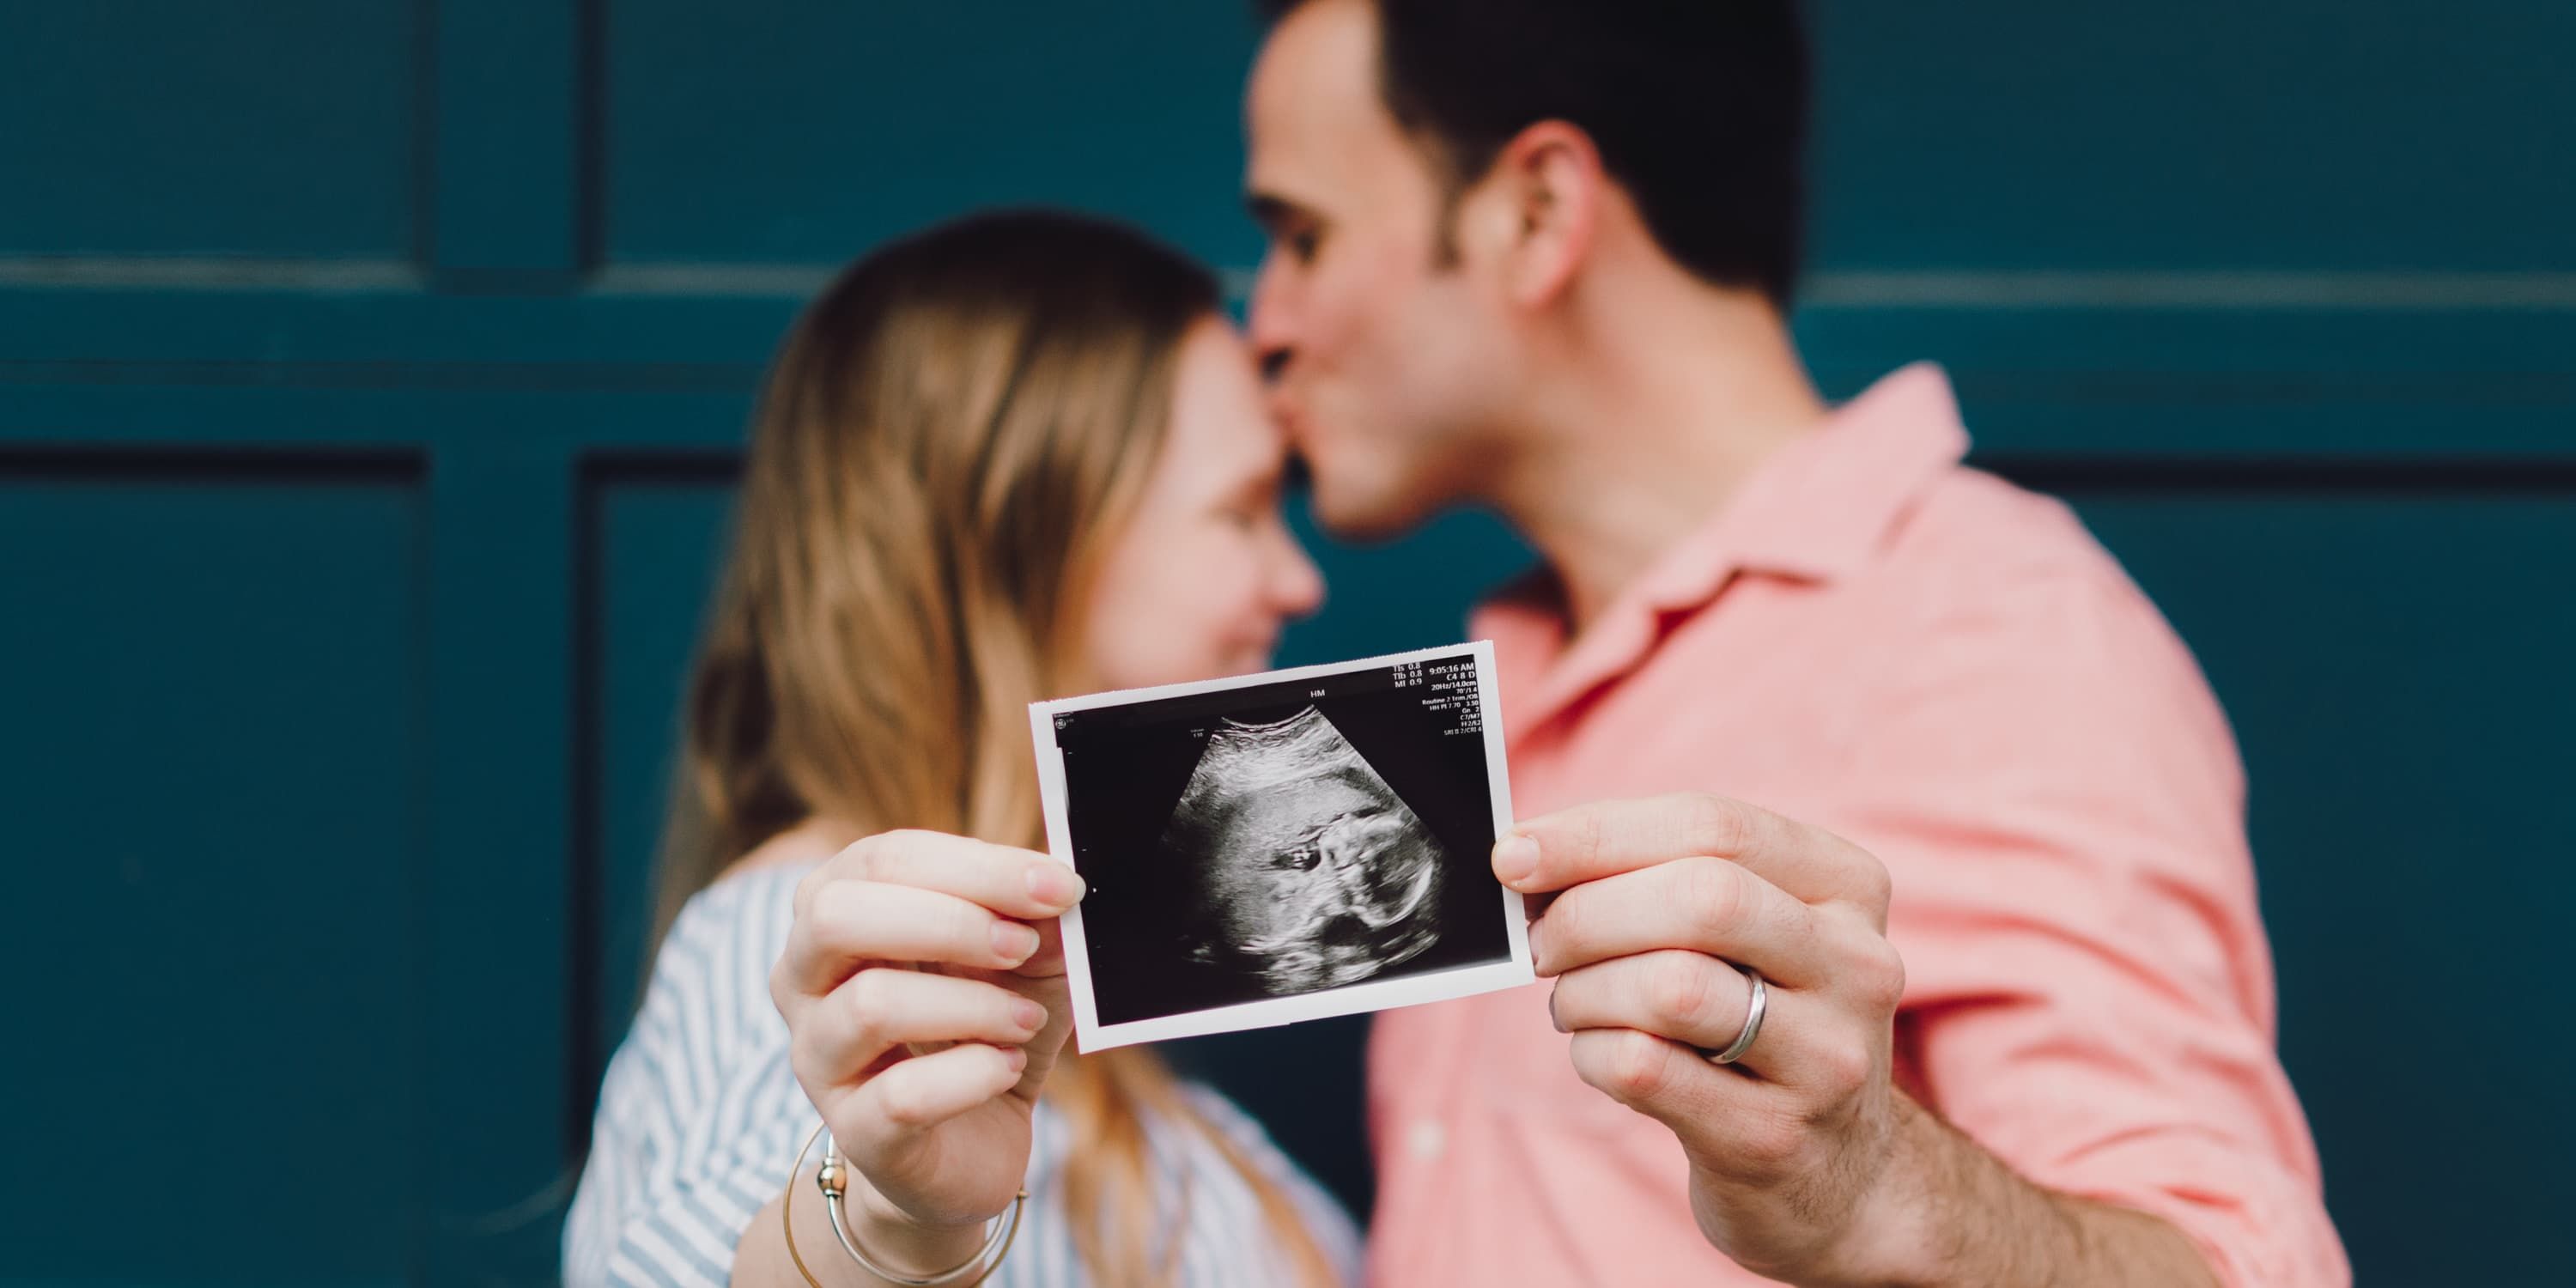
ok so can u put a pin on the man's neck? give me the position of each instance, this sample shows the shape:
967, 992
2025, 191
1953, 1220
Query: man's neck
1649, 423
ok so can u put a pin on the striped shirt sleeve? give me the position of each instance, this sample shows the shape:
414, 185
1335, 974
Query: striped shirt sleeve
698, 1113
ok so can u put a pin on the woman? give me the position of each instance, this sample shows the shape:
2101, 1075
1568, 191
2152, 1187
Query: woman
1017, 456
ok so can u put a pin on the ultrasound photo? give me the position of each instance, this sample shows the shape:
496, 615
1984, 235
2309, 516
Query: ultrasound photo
1284, 846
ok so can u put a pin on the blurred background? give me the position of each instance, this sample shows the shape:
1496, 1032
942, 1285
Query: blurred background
371, 378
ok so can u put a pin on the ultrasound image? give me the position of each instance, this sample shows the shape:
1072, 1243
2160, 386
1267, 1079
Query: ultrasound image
1281, 839
1315, 868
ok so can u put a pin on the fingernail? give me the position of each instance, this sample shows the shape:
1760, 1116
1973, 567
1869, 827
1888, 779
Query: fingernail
1031, 1016
1515, 858
1054, 884
1014, 941
1016, 1058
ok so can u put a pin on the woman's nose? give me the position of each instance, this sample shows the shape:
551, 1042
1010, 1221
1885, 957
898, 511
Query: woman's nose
1298, 585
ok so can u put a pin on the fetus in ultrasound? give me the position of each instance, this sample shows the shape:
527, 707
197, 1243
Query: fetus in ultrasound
1311, 870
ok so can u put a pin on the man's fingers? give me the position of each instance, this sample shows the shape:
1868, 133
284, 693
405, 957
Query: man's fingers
840, 1036
1603, 838
1655, 1076
1702, 1003
1689, 997
1708, 905
923, 1091
1748, 1130
1011, 881
849, 923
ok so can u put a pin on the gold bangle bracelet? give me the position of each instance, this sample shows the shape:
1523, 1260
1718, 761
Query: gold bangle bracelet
835, 1184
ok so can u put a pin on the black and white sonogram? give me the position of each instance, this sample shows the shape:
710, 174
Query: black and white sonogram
1314, 867
1282, 846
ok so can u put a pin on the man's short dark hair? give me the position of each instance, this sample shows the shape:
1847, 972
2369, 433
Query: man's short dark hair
1698, 108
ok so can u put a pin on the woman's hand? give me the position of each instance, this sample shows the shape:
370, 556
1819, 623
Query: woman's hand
923, 985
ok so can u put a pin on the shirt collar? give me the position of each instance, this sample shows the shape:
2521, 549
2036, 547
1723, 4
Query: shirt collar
1816, 511
1821, 506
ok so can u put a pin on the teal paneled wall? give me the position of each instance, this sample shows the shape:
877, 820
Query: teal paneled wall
215, 807
2198, 135
370, 374
1127, 109
141, 127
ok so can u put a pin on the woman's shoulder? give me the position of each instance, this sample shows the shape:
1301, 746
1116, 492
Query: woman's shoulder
710, 977
801, 847
743, 904
755, 896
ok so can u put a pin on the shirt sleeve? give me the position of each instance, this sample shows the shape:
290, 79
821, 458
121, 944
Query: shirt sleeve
692, 1135
2090, 995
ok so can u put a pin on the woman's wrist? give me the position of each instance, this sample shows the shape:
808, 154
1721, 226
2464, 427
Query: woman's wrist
902, 1243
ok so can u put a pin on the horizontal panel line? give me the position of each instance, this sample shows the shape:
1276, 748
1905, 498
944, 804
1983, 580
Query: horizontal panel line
1863, 288
1828, 289
2094, 475
375, 374
791, 280
2214, 289
2177, 385
1983, 386
614, 466
2047, 472
87, 463
143, 272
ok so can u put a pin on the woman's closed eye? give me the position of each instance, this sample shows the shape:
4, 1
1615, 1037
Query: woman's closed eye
1252, 504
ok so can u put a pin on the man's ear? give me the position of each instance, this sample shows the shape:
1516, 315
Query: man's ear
1538, 210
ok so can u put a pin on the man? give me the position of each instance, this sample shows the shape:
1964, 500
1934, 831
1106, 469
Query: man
2016, 1028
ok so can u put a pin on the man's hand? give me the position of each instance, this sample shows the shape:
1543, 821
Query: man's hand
1662, 900
1807, 1164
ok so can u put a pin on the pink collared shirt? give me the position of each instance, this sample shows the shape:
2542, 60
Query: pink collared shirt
1952, 673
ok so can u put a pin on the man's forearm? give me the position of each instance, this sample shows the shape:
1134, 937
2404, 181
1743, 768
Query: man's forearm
1954, 1214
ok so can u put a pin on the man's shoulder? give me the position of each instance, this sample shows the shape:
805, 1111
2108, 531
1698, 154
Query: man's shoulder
1989, 565
1967, 511
1971, 534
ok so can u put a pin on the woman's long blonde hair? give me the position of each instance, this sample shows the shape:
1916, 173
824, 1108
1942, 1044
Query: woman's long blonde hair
948, 438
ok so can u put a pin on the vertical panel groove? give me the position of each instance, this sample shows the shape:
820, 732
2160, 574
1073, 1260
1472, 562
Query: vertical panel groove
424, 137
590, 136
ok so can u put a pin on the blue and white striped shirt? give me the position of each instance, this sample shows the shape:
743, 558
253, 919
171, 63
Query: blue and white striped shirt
700, 1113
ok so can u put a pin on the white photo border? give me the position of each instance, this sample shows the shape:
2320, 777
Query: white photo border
1349, 999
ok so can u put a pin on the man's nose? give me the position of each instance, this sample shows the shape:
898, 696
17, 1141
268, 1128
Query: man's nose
1267, 323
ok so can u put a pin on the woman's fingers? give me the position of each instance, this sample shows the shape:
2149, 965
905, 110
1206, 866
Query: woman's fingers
1013, 882
923, 1091
846, 924
840, 1036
